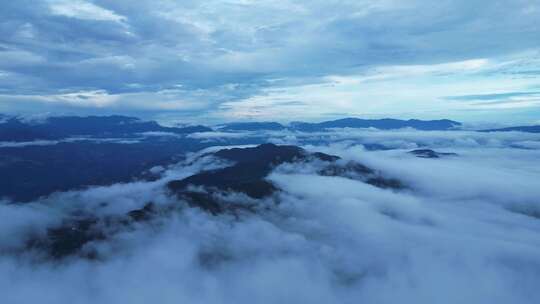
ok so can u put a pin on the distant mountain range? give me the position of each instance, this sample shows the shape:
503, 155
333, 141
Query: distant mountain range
15, 129
382, 124
528, 129
54, 128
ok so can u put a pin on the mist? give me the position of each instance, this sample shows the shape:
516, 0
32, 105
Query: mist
463, 229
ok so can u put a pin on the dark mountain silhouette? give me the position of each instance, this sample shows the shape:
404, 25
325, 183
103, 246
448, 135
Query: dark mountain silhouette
13, 129
382, 124
70, 237
428, 153
247, 175
34, 171
249, 172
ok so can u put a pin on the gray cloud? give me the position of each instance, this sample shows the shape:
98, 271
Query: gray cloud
54, 47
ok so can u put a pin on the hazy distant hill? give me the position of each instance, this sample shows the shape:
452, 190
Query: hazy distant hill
382, 124
14, 129
528, 129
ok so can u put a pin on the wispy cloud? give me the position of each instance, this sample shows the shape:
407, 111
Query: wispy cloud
492, 97
83, 10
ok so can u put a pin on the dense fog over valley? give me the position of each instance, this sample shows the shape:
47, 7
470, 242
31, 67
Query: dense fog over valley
356, 215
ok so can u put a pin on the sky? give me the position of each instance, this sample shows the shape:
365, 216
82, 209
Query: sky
236, 60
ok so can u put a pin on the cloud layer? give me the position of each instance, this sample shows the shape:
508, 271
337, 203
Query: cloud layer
465, 230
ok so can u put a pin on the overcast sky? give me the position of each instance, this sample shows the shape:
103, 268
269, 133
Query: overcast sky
469, 60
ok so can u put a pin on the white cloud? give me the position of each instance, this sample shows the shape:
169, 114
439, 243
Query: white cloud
464, 232
403, 91
83, 10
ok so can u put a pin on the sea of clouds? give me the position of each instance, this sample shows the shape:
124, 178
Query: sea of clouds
466, 229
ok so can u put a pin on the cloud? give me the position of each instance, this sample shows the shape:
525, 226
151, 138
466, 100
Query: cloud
228, 54
400, 139
372, 93
83, 10
489, 97
101, 101
465, 230
510, 100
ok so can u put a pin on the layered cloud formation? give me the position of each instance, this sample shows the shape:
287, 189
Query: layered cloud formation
463, 229
243, 59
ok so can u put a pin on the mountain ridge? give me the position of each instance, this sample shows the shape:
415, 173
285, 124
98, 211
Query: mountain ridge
60, 127
382, 124
527, 129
